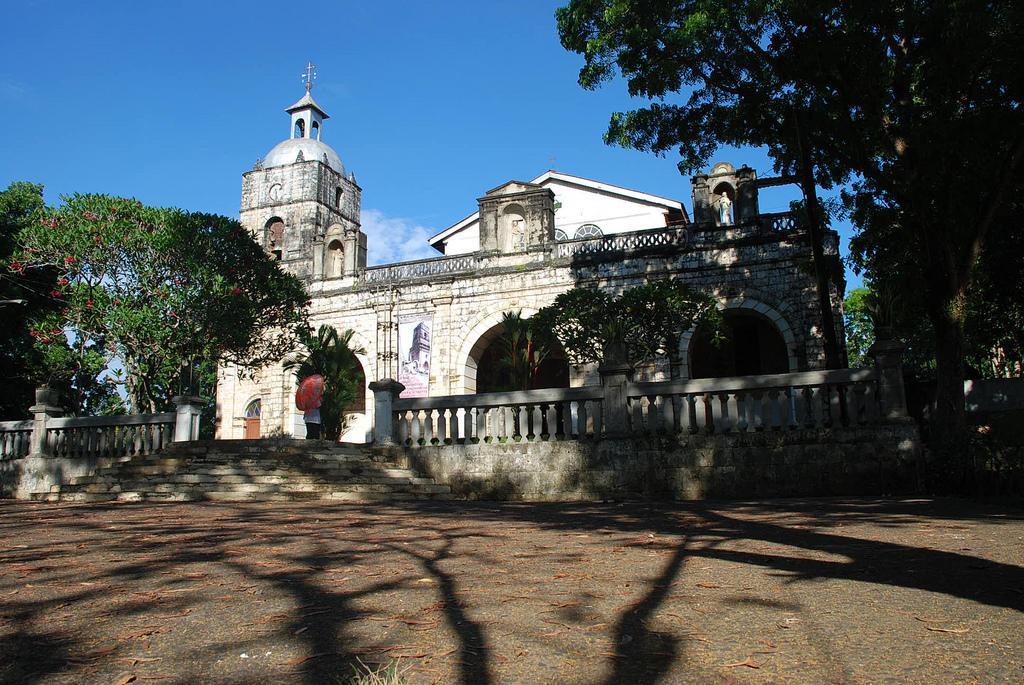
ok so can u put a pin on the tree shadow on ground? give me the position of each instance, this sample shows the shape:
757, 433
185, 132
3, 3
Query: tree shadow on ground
80, 553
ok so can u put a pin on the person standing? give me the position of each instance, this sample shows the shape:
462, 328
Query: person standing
312, 419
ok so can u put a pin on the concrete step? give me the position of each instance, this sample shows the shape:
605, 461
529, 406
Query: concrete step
270, 470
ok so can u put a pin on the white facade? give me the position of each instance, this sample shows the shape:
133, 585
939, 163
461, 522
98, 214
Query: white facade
579, 202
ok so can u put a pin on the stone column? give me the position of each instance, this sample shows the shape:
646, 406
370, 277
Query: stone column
45, 408
186, 420
385, 392
40, 470
616, 375
889, 365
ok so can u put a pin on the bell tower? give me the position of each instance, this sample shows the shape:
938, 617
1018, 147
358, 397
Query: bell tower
299, 202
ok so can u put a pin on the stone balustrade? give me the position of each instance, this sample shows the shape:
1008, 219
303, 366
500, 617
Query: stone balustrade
529, 416
811, 400
109, 436
614, 244
15, 439
51, 435
780, 402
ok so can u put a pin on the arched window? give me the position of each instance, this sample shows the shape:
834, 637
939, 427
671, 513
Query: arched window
300, 129
588, 231
337, 197
273, 237
561, 235
335, 259
315, 131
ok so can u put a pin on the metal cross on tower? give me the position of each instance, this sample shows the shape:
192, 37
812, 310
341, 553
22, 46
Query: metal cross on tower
309, 75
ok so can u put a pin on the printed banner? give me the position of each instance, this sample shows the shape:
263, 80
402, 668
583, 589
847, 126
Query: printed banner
414, 354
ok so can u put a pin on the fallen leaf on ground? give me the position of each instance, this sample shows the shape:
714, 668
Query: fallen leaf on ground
124, 679
958, 631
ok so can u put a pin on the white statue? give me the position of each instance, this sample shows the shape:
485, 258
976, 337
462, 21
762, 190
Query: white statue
725, 211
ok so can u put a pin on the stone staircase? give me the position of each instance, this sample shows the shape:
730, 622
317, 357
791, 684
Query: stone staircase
250, 470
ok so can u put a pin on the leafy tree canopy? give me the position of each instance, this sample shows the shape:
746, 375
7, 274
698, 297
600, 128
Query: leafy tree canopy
154, 289
919, 104
646, 320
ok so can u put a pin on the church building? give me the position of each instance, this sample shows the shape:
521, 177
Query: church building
431, 323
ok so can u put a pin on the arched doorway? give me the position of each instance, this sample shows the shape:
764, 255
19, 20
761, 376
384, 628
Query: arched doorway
493, 370
252, 419
750, 345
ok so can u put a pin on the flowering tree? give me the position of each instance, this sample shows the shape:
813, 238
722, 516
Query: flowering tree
149, 290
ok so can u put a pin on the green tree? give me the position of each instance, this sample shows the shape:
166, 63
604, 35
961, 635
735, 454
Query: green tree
21, 295
860, 329
332, 355
144, 291
26, 296
524, 348
918, 103
644, 322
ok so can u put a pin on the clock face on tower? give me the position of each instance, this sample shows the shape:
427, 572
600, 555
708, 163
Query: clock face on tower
275, 192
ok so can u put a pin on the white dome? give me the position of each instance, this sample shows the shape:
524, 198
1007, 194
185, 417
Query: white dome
287, 151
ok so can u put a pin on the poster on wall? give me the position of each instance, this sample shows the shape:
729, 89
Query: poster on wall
414, 354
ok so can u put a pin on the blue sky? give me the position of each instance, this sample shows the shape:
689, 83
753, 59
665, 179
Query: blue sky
431, 104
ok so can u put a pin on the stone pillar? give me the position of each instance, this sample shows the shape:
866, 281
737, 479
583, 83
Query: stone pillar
186, 420
40, 470
385, 392
616, 375
45, 408
889, 365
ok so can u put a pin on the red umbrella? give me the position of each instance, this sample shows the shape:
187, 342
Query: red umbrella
310, 392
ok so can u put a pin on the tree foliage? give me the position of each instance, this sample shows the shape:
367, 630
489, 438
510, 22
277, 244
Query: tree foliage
332, 355
918, 104
142, 291
646, 320
525, 343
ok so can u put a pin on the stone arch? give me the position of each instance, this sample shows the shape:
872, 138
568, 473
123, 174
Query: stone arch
512, 227
361, 428
273, 236
333, 264
477, 341
756, 307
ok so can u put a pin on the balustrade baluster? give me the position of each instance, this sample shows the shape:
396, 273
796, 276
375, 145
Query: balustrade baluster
723, 420
453, 426
668, 414
415, 428
484, 423
442, 427
742, 405
818, 406
565, 425
468, 422
581, 419
835, 405
537, 426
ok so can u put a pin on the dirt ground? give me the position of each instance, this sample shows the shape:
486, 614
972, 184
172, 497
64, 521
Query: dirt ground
789, 591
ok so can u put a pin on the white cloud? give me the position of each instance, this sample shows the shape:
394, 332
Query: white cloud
394, 239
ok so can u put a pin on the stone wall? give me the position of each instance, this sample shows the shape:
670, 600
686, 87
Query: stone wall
867, 460
768, 273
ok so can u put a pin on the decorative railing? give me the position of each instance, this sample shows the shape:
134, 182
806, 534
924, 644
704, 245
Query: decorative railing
15, 437
528, 416
779, 222
109, 436
421, 268
782, 402
622, 242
